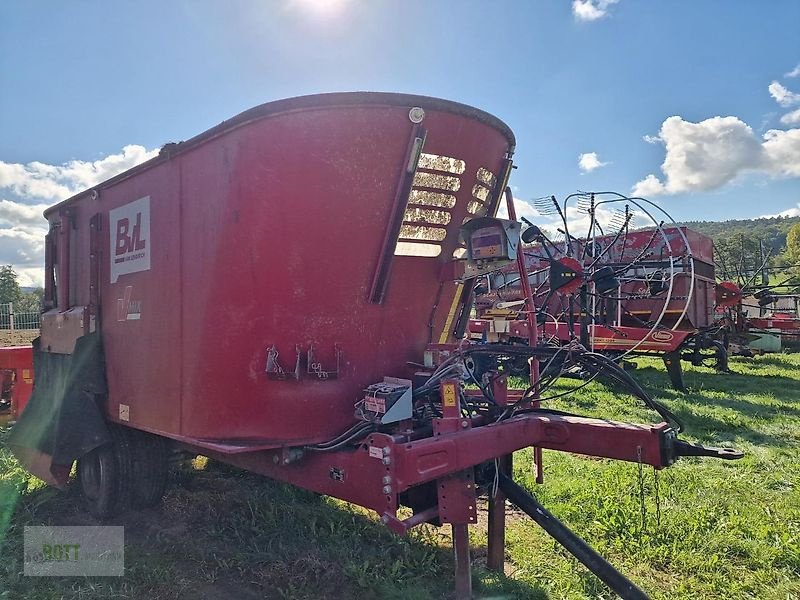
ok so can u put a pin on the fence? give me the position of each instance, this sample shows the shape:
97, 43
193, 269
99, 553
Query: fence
16, 321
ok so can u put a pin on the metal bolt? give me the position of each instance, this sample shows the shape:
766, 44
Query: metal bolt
387, 450
464, 424
276, 459
387, 460
387, 479
387, 489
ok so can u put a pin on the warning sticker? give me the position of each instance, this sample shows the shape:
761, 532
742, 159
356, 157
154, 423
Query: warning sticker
376, 405
375, 452
449, 394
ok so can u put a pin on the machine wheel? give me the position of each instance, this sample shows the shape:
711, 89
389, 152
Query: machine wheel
104, 474
150, 468
721, 356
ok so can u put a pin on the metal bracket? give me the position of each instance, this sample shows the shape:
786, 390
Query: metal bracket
457, 498
316, 369
274, 370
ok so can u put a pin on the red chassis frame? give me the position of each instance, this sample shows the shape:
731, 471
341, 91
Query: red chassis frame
376, 472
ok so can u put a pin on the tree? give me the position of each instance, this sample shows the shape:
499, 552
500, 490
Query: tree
792, 253
9, 286
791, 256
31, 302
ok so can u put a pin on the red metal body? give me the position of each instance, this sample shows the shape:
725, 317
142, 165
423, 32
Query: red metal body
16, 372
236, 220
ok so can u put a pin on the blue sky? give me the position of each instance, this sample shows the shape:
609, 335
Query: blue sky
88, 88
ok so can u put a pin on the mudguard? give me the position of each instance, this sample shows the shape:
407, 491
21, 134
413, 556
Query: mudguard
63, 419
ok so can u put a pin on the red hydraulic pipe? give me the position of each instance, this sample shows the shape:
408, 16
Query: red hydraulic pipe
533, 339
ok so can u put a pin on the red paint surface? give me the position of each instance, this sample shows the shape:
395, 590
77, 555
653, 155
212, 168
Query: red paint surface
268, 233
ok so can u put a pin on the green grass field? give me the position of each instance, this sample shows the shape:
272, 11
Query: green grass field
726, 529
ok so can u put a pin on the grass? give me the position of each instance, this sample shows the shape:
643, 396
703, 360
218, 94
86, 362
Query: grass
726, 529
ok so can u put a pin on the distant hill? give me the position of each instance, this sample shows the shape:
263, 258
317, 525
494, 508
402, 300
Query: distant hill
772, 231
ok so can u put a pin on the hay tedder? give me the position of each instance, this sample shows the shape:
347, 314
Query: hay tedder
188, 306
625, 289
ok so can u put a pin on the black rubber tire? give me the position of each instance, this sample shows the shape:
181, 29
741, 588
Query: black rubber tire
97, 475
150, 469
104, 475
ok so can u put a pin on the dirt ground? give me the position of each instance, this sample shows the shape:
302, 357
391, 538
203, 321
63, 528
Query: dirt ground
19, 337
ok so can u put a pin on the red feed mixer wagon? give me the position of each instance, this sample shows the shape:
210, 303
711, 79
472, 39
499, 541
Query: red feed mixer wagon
280, 293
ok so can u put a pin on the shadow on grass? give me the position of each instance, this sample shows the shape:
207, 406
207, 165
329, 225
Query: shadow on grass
223, 533
784, 389
770, 360
712, 429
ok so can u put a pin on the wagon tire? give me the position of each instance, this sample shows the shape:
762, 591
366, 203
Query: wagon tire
104, 475
150, 469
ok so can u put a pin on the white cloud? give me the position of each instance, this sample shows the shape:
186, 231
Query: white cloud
38, 185
651, 139
792, 118
522, 208
16, 213
591, 10
706, 155
789, 212
783, 96
782, 152
37, 180
22, 231
794, 72
649, 186
589, 161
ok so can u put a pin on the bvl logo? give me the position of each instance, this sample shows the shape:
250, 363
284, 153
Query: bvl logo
130, 238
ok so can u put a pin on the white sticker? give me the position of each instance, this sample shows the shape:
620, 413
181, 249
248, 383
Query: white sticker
129, 227
124, 412
375, 452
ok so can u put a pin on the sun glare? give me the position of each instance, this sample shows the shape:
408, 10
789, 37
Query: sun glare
322, 8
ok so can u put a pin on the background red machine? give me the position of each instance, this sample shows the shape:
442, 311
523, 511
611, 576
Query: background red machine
282, 293
660, 299
16, 375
